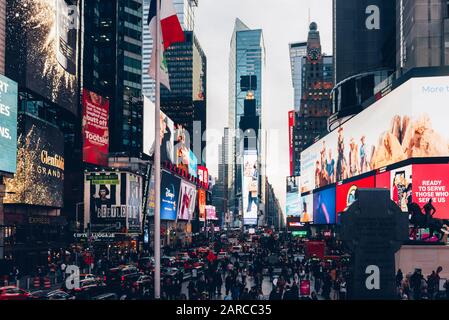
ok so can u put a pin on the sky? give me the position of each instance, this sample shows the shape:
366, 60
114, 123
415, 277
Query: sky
282, 22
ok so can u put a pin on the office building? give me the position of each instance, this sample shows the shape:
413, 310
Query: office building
298, 51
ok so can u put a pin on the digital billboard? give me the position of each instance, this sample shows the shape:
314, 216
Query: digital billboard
95, 128
113, 201
211, 213
167, 132
187, 197
43, 48
346, 192
307, 208
169, 196
193, 164
293, 203
324, 207
151, 196
383, 180
250, 187
431, 181
410, 122
291, 125
8, 125
203, 175
39, 179
401, 186
202, 204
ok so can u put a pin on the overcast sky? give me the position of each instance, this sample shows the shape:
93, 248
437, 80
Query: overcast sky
282, 22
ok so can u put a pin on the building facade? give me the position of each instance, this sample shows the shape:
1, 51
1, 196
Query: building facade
298, 51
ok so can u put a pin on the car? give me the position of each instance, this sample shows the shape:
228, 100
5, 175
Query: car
85, 276
13, 293
87, 292
38, 295
143, 283
59, 295
106, 296
167, 261
129, 280
146, 263
115, 277
222, 255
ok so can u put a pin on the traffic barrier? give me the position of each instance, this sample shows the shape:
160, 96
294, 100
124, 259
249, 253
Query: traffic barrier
37, 282
47, 284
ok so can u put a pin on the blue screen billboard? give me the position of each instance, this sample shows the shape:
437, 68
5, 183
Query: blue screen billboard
324, 207
8, 125
169, 196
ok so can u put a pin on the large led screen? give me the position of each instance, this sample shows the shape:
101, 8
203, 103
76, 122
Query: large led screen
202, 204
307, 209
401, 186
42, 48
167, 132
346, 192
8, 125
169, 196
95, 128
39, 179
324, 207
410, 122
250, 187
293, 203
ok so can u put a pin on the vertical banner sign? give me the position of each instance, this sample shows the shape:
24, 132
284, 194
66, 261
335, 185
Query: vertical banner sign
8, 125
202, 204
203, 175
134, 202
169, 196
291, 124
187, 196
250, 187
95, 128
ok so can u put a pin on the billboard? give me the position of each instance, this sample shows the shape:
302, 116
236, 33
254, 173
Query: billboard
95, 128
250, 187
203, 175
410, 122
324, 207
346, 192
187, 197
307, 208
401, 186
113, 201
211, 213
291, 125
8, 124
293, 203
193, 164
167, 132
431, 181
43, 46
151, 196
202, 204
383, 180
169, 196
39, 179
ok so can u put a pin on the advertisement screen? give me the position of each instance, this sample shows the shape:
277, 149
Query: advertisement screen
39, 179
203, 175
432, 181
211, 213
291, 124
8, 125
105, 201
193, 164
134, 205
307, 209
202, 204
401, 186
346, 192
169, 196
383, 180
250, 187
95, 128
187, 196
43, 45
293, 197
167, 132
151, 196
407, 123
324, 207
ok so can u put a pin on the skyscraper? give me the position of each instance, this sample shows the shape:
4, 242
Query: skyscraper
112, 67
298, 51
186, 15
246, 62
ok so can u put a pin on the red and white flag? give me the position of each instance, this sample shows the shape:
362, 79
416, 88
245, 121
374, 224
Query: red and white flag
171, 31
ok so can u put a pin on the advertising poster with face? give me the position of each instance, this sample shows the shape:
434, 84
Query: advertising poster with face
409, 122
250, 186
401, 187
293, 197
211, 213
169, 196
105, 198
187, 197
167, 133
203, 175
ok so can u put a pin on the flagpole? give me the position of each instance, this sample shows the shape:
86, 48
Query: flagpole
157, 161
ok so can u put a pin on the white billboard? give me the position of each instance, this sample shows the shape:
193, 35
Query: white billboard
187, 197
250, 187
410, 122
167, 132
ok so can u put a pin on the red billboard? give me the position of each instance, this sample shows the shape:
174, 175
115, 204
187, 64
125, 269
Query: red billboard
345, 192
291, 124
202, 204
95, 128
432, 181
383, 180
203, 175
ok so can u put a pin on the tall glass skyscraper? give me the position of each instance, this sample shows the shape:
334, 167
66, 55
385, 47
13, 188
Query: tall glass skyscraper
186, 15
246, 62
298, 51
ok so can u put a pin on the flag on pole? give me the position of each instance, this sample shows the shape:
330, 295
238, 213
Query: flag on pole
170, 32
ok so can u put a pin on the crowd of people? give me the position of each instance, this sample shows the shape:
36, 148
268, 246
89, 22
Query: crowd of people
415, 286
